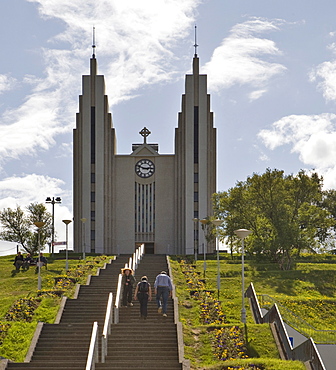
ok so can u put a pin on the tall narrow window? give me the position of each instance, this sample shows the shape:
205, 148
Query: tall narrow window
93, 134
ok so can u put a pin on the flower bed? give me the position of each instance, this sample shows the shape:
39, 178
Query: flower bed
23, 310
211, 311
228, 343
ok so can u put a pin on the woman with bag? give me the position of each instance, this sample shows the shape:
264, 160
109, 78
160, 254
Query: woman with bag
128, 280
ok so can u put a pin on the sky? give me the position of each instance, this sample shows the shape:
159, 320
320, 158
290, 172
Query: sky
271, 70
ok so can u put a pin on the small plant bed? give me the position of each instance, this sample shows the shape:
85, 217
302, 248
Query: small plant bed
23, 309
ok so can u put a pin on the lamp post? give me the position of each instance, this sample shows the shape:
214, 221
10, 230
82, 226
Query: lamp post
83, 222
217, 223
39, 225
242, 234
204, 222
53, 201
66, 248
195, 237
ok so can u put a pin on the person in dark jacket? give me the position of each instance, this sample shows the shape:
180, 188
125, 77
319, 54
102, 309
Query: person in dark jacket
18, 261
127, 282
143, 293
28, 260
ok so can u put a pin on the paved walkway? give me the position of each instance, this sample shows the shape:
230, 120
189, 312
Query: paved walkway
328, 355
326, 351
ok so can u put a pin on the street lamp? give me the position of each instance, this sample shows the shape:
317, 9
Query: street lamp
53, 201
39, 225
204, 222
83, 222
217, 223
195, 237
242, 234
66, 248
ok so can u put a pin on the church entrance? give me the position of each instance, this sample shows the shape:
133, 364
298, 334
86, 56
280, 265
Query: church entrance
149, 248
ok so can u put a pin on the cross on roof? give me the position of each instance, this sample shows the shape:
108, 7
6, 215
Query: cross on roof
145, 132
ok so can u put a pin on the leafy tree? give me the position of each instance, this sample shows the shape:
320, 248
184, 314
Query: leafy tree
285, 213
18, 226
329, 203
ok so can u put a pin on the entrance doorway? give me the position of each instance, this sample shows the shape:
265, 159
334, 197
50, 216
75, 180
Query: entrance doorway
149, 248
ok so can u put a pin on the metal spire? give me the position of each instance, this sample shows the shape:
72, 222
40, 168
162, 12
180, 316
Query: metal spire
93, 42
195, 45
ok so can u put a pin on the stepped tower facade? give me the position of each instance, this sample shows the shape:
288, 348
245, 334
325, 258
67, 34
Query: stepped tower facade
121, 201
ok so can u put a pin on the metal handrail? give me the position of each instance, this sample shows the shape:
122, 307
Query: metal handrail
306, 351
92, 358
133, 264
117, 300
107, 327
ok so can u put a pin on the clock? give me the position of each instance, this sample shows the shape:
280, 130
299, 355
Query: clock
144, 168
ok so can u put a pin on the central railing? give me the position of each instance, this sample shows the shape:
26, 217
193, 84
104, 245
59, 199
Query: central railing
107, 327
92, 357
133, 263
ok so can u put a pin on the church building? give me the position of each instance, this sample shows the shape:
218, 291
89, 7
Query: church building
123, 201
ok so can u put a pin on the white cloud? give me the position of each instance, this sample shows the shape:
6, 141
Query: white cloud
254, 95
312, 137
325, 76
135, 38
6, 83
26, 189
241, 58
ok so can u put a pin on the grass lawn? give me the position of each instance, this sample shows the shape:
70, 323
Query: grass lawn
308, 291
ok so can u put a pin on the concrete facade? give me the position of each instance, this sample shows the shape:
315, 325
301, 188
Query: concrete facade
121, 201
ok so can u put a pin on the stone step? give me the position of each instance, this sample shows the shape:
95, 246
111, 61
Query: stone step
70, 356
141, 364
156, 357
99, 306
64, 334
51, 366
119, 338
75, 329
83, 308
48, 364
92, 319
67, 344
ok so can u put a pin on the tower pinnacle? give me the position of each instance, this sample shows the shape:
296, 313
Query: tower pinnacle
93, 42
195, 45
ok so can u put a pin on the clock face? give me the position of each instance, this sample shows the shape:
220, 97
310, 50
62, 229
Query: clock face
144, 168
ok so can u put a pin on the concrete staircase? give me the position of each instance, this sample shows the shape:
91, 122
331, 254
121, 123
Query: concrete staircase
133, 343
144, 344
